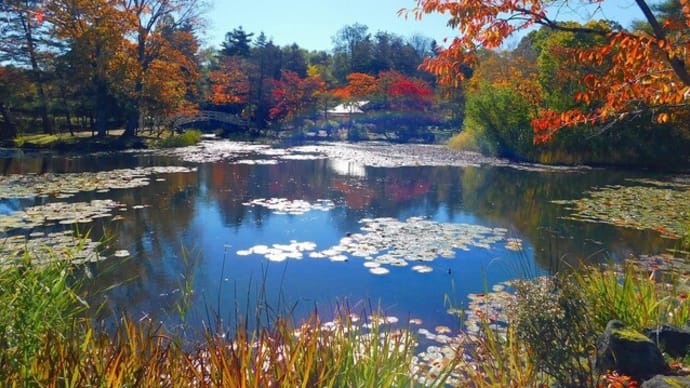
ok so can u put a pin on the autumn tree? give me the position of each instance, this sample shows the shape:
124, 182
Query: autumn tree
360, 86
148, 46
404, 93
25, 40
325, 97
171, 86
15, 87
642, 72
230, 81
93, 32
266, 60
294, 96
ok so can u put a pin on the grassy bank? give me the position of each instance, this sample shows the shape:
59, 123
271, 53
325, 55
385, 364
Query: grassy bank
86, 142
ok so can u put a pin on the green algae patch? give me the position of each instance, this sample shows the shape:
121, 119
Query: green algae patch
660, 206
673, 382
630, 335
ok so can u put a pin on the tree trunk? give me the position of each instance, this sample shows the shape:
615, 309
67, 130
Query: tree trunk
136, 119
70, 126
101, 103
131, 126
36, 70
43, 108
10, 131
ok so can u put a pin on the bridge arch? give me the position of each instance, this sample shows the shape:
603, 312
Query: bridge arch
206, 116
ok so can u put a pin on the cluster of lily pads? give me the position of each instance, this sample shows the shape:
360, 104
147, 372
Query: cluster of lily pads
391, 242
280, 252
372, 154
66, 185
380, 154
46, 248
660, 206
213, 151
238, 152
58, 213
293, 207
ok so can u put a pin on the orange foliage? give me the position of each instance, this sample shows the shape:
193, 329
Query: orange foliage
294, 95
230, 83
359, 86
642, 72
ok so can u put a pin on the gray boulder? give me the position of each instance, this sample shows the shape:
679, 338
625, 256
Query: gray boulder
628, 352
670, 339
660, 381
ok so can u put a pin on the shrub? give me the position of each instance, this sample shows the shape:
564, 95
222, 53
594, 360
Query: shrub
187, 138
502, 117
552, 319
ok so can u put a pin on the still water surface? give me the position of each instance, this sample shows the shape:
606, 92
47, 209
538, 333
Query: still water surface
194, 224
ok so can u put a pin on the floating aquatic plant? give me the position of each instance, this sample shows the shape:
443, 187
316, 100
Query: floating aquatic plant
371, 154
280, 252
391, 242
664, 207
121, 253
46, 248
58, 212
293, 207
386, 242
66, 185
377, 154
214, 151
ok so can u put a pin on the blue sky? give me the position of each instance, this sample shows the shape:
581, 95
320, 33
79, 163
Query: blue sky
312, 23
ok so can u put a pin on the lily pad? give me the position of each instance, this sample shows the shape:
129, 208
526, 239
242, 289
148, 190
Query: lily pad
422, 268
379, 271
121, 253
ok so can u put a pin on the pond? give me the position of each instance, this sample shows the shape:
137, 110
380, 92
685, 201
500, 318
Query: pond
230, 230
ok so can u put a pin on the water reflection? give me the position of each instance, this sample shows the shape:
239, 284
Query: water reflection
196, 222
347, 168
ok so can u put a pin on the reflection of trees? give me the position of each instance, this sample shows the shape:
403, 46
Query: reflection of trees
390, 192
230, 185
506, 197
356, 194
519, 200
156, 236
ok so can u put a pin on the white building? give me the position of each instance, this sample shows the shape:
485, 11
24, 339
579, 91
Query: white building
346, 109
